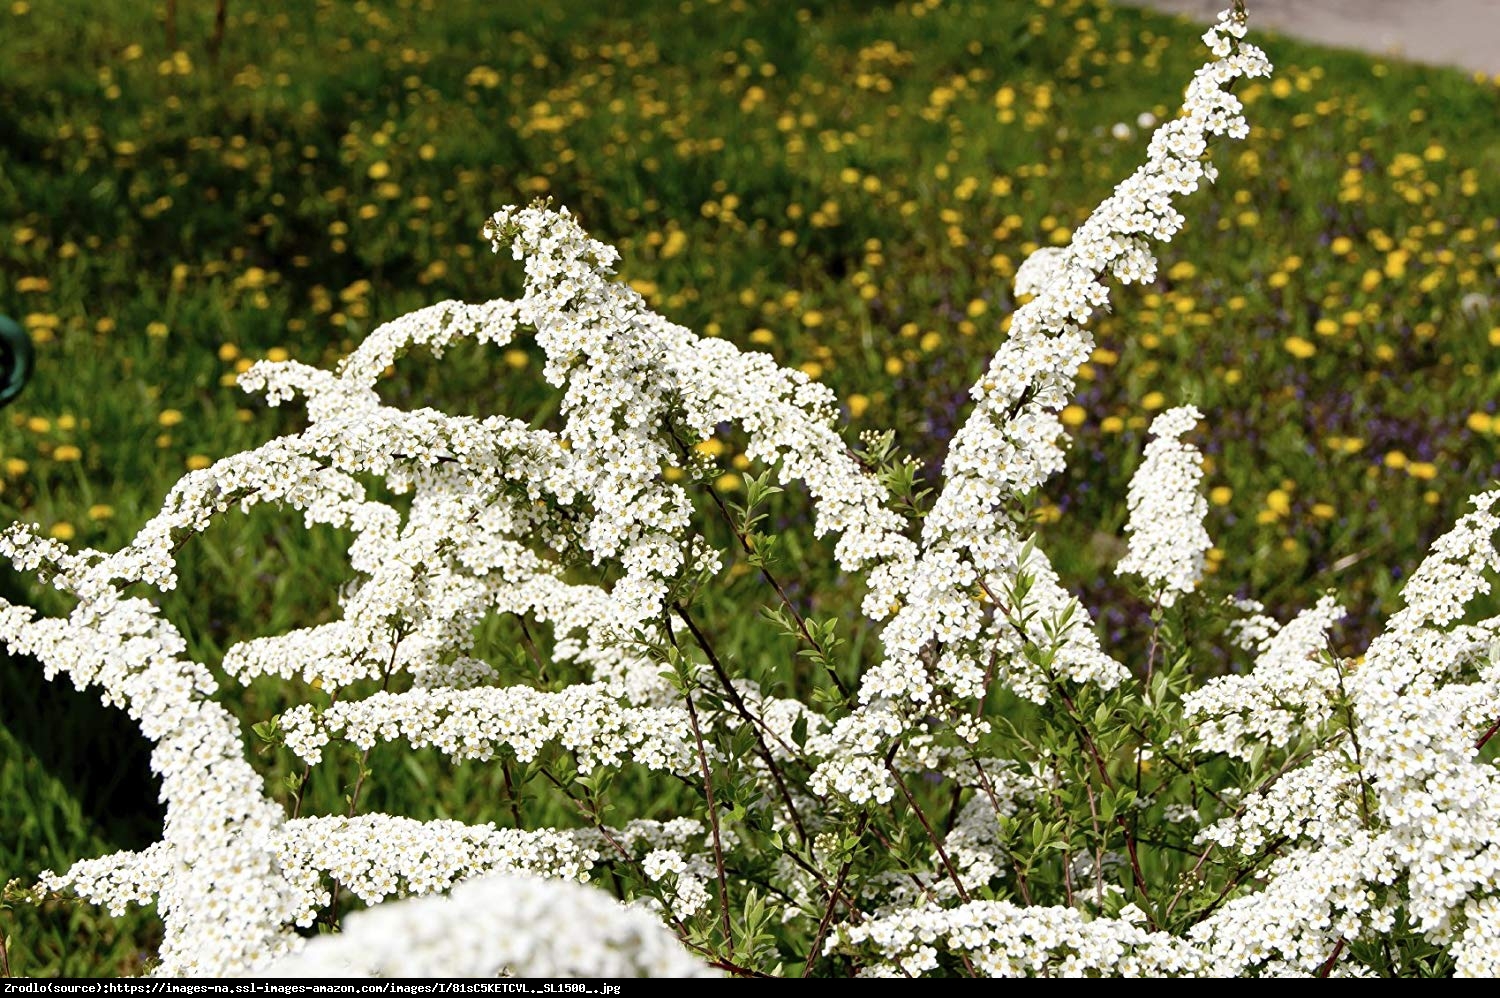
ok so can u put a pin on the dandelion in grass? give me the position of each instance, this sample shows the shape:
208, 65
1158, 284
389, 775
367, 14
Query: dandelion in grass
1167, 538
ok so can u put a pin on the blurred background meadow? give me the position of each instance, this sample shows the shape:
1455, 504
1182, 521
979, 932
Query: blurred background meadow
846, 185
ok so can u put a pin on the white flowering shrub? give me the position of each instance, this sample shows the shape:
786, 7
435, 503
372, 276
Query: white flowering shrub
994, 793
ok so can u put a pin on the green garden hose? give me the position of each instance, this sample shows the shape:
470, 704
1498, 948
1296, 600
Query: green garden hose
16, 358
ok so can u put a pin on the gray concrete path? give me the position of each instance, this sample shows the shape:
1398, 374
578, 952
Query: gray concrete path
1463, 33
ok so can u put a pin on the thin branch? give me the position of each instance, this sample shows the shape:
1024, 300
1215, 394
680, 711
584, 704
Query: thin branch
756, 724
1099, 837
510, 793
711, 958
590, 813
1327, 967
838, 885
1130, 848
1153, 645
713, 820
1238, 877
1087, 739
1067, 870
931, 835
216, 40
1174, 762
765, 573
530, 646
1265, 785
734, 968
359, 781
828, 888
988, 786
1365, 791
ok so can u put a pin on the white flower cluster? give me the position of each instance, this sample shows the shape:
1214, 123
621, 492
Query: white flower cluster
974, 844
1000, 939
498, 926
220, 893
472, 724
1165, 524
1398, 808
685, 880
1255, 628
378, 856
1392, 805
1293, 687
1012, 443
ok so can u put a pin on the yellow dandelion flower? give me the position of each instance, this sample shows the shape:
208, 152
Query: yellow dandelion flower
1299, 347
675, 243
1047, 512
1425, 470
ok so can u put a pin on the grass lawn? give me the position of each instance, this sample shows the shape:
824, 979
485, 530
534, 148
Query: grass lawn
847, 185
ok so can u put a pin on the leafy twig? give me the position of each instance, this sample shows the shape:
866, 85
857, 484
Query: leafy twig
713, 820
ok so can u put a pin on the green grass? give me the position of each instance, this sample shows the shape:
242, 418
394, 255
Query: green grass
848, 186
